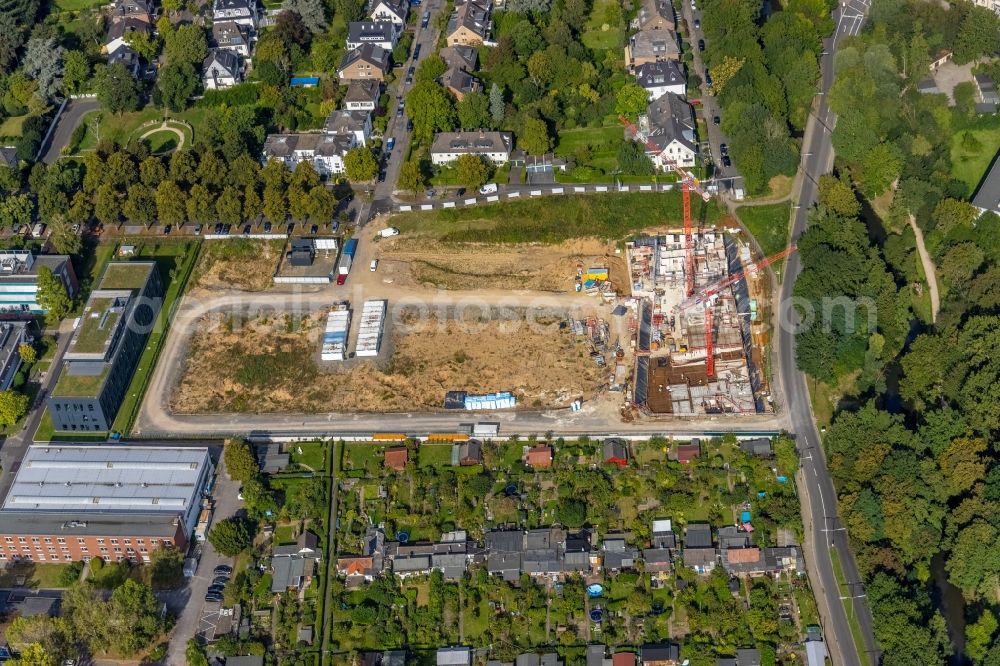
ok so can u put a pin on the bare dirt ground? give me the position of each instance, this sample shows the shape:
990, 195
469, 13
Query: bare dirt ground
269, 365
245, 264
465, 266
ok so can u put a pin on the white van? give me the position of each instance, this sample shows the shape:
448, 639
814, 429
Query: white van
373, 265
488, 188
388, 231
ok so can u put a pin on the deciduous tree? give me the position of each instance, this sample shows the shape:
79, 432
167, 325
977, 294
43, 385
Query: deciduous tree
52, 295
360, 165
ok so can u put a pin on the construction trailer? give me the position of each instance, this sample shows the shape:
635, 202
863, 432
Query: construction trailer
370, 329
338, 323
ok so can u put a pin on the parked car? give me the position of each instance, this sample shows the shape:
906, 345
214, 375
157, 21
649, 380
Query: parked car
708, 77
167, 229
373, 265
290, 228
416, 51
724, 149
226, 228
701, 44
246, 230
726, 162
218, 228
341, 279
429, 193
697, 23
488, 188
267, 227
390, 144
388, 231
197, 230
425, 20
716, 120
220, 580
223, 570
409, 124
210, 598
314, 229
399, 111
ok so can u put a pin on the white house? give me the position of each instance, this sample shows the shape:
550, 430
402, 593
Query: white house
221, 69
381, 33
449, 146
394, 11
326, 152
669, 126
232, 36
243, 12
356, 124
659, 78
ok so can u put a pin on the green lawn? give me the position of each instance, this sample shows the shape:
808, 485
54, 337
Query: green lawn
768, 224
172, 258
11, 127
434, 455
121, 128
605, 14
77, 5
362, 456
552, 220
603, 142
284, 534
36, 574
161, 142
313, 455
970, 159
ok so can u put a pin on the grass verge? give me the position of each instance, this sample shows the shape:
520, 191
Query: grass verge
972, 152
553, 220
852, 621
768, 224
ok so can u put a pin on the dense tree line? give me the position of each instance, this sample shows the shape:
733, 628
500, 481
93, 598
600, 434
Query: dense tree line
914, 461
764, 75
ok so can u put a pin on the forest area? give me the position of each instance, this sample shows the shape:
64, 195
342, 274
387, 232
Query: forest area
913, 443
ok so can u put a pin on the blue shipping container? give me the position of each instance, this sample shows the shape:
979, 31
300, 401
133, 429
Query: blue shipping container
350, 247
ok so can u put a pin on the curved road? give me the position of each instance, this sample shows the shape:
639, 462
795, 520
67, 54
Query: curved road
71, 116
826, 534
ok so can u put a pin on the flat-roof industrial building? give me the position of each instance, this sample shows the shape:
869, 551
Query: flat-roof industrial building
19, 280
70, 502
105, 348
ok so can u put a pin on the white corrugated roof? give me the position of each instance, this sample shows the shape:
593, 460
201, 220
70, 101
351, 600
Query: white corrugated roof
107, 478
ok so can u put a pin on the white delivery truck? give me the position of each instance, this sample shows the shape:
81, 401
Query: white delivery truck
488, 188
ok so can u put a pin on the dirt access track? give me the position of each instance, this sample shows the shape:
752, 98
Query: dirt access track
269, 364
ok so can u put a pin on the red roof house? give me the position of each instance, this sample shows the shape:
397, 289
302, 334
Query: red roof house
539, 457
395, 458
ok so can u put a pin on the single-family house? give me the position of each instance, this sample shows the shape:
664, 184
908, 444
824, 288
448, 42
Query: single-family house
460, 56
8, 157
243, 12
362, 95
759, 446
539, 457
116, 44
449, 146
657, 560
454, 656
127, 57
623, 659
356, 569
663, 535
659, 78
618, 555
356, 124
987, 197
232, 36
699, 552
469, 24
393, 11
615, 451
650, 46
661, 654
293, 566
395, 458
376, 33
535, 659
655, 15
460, 83
368, 61
668, 131
386, 658
596, 656
134, 9
221, 69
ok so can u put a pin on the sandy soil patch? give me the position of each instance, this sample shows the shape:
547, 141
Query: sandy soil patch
271, 365
460, 266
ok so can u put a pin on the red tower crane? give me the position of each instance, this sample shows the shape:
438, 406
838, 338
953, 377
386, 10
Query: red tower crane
713, 289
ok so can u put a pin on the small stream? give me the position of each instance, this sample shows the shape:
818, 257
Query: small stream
948, 599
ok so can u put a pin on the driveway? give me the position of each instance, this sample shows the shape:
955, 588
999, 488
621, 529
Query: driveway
71, 116
189, 602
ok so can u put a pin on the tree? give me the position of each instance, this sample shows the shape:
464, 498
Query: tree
140, 206
411, 177
34, 654
63, 238
51, 634
253, 206
116, 88
13, 406
228, 206
231, 536
571, 513
151, 171
290, 29
534, 137
176, 83
186, 44
837, 195
199, 205
474, 111
310, 11
195, 654
953, 214
146, 44
974, 564
978, 35
15, 210
497, 107
107, 207
879, 169
631, 100
43, 63
432, 109
170, 203
360, 165
52, 295
27, 353
979, 636
430, 68
322, 203
965, 97
275, 204
241, 461
471, 170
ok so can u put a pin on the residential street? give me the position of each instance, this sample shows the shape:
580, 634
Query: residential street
72, 116
825, 533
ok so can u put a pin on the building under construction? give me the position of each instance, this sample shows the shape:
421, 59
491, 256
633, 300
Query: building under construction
693, 346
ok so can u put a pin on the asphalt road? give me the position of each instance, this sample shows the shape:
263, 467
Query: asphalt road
823, 525
72, 115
